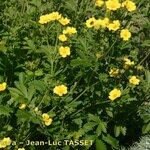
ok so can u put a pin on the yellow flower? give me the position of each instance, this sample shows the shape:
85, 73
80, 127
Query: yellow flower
90, 22
124, 4
5, 142
21, 148
140, 67
113, 4
49, 17
36, 109
62, 37
60, 90
115, 93
98, 55
128, 62
70, 30
3, 86
22, 106
97, 24
44, 19
55, 16
99, 3
45, 116
129, 5
104, 22
125, 34
64, 21
113, 72
47, 120
134, 80
114, 26
64, 51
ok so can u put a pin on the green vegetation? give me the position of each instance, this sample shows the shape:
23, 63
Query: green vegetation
90, 83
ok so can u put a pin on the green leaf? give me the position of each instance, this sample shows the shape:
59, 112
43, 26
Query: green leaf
89, 126
80, 62
71, 5
91, 139
103, 126
110, 140
66, 147
100, 145
39, 85
146, 43
147, 74
15, 92
31, 92
109, 113
98, 130
78, 121
146, 118
51, 113
81, 132
103, 77
93, 118
23, 116
146, 128
39, 72
22, 89
5, 110
117, 130
29, 44
123, 130
3, 47
21, 78
126, 45
74, 104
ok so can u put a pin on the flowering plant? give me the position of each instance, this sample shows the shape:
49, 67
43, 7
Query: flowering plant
72, 70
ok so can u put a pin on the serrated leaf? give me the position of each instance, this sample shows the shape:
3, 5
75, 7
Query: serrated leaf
81, 132
109, 113
110, 140
117, 130
39, 85
39, 72
22, 89
146, 128
23, 115
146, 43
5, 110
93, 118
98, 130
78, 121
103, 126
21, 78
89, 126
31, 92
51, 114
146, 118
91, 139
15, 92
103, 77
123, 130
147, 74
74, 104
126, 45
100, 145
